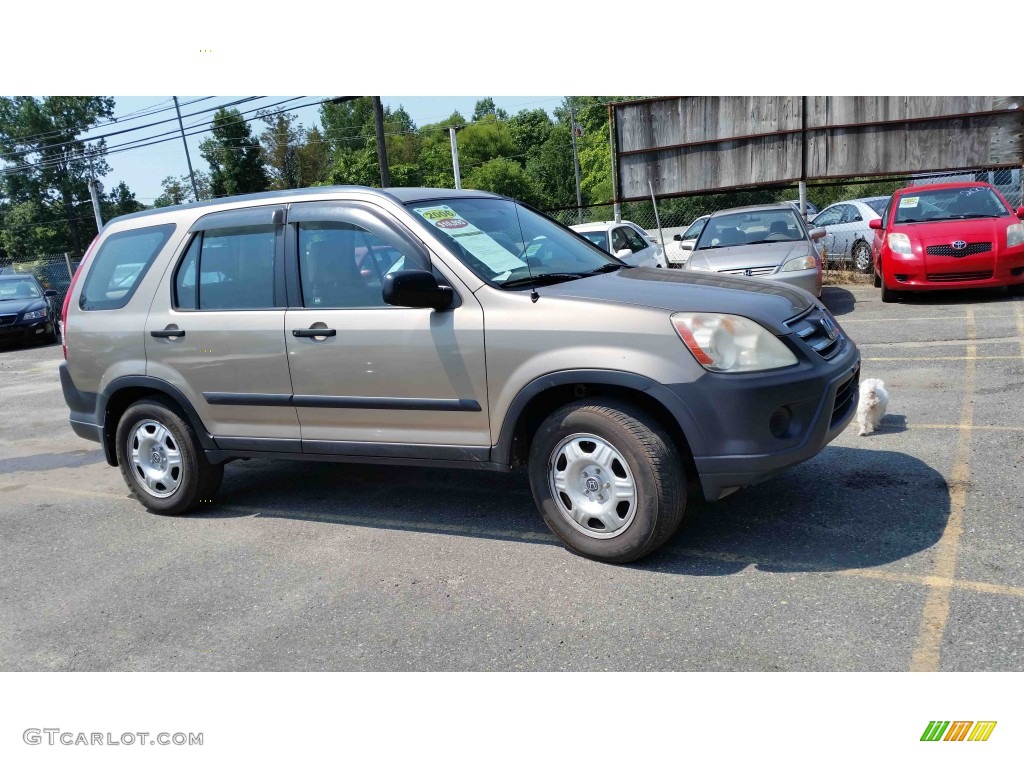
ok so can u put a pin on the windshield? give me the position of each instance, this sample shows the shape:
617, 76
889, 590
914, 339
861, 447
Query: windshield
496, 238
878, 204
19, 289
695, 229
947, 204
775, 225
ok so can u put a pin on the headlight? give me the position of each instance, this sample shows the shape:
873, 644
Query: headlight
730, 343
803, 262
38, 314
1014, 235
899, 243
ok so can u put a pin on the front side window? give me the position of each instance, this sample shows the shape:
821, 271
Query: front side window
949, 204
695, 229
636, 242
509, 245
119, 265
343, 265
829, 217
774, 225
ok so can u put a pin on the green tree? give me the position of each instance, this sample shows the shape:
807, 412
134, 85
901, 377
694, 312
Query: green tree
529, 129
119, 201
48, 163
178, 190
281, 142
313, 159
504, 177
236, 163
486, 107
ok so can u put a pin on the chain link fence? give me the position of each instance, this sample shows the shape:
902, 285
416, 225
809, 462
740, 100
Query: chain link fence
847, 246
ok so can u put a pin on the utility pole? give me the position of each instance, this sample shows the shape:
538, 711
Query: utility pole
93, 184
455, 157
576, 162
382, 150
191, 173
615, 185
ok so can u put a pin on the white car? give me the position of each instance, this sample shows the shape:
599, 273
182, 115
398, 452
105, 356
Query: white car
678, 256
849, 237
625, 240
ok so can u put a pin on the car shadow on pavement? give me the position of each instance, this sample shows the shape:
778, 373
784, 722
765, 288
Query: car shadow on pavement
956, 297
845, 508
838, 300
42, 462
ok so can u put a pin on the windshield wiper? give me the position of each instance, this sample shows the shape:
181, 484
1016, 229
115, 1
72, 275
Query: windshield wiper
607, 268
546, 279
760, 242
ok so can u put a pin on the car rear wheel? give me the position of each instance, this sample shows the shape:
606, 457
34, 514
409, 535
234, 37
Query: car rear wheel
608, 481
862, 256
162, 461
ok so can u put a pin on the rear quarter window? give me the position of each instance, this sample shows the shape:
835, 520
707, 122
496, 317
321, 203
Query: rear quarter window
119, 266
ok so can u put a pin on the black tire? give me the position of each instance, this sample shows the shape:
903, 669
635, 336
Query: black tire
653, 464
889, 296
198, 479
861, 256
1015, 290
878, 280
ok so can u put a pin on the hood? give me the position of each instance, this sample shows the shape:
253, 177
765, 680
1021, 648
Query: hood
745, 256
766, 301
17, 306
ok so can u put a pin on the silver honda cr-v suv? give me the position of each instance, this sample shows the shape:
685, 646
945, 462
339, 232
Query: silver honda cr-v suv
442, 328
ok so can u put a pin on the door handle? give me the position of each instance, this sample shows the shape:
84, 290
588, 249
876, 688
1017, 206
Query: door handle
168, 333
306, 333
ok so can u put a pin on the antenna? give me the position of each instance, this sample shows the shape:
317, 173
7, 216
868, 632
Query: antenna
533, 287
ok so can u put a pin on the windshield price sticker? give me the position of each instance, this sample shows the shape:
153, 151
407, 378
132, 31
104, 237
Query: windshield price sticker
909, 202
478, 243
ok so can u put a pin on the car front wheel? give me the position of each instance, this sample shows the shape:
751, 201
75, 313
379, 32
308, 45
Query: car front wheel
608, 481
162, 461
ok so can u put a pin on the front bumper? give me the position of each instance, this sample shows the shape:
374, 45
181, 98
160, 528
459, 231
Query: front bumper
32, 329
741, 440
808, 279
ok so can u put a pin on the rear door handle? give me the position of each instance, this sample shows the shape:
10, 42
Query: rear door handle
306, 333
168, 333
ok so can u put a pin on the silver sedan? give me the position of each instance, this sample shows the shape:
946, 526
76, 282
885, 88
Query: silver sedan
848, 235
766, 241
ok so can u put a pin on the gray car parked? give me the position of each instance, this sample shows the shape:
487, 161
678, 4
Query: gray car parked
767, 241
425, 327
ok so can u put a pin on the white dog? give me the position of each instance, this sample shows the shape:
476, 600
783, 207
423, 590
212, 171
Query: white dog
871, 408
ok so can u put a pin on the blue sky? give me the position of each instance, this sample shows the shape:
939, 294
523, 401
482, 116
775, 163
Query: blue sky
144, 168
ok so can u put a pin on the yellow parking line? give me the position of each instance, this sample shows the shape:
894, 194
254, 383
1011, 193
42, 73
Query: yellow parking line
898, 320
936, 604
955, 357
975, 427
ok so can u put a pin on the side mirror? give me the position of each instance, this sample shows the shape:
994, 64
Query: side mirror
623, 253
50, 293
875, 223
416, 288
688, 246
1020, 212
678, 236
817, 234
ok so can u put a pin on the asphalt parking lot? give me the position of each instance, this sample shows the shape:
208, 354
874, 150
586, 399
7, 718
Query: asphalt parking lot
898, 551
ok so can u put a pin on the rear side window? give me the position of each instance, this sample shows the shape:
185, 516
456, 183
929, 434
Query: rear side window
119, 266
235, 269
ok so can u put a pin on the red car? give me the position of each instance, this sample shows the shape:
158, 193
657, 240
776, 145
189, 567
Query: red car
942, 236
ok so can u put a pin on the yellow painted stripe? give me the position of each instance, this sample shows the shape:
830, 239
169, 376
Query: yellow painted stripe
974, 427
936, 605
954, 357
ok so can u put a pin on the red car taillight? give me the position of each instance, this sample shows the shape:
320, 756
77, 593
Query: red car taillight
67, 298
